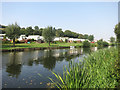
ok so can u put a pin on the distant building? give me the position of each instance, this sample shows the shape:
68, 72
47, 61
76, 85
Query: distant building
75, 39
22, 37
60, 39
2, 36
35, 37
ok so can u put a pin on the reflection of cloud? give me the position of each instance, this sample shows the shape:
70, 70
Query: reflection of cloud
56, 54
75, 51
35, 55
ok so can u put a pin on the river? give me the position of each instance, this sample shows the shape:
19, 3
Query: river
31, 69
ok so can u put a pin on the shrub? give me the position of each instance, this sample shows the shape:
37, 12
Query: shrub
5, 41
105, 43
86, 44
75, 41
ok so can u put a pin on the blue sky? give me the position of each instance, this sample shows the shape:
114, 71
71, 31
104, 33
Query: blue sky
98, 18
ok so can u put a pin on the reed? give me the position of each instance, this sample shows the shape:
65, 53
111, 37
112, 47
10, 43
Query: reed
97, 71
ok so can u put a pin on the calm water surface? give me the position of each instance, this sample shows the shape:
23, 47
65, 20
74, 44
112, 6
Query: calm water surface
31, 69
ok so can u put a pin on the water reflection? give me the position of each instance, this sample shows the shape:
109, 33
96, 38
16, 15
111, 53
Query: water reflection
14, 65
47, 58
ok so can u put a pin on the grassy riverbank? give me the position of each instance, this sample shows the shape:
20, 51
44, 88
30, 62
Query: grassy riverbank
97, 71
35, 45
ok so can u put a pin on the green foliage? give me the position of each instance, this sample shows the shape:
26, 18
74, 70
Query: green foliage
105, 43
112, 39
102, 43
75, 41
5, 42
91, 38
36, 28
97, 71
70, 34
29, 31
86, 44
22, 31
117, 29
13, 32
59, 33
48, 34
80, 36
85, 36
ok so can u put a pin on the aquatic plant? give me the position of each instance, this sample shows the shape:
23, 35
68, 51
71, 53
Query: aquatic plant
97, 71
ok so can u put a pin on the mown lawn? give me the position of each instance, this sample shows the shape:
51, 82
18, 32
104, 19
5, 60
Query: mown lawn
35, 45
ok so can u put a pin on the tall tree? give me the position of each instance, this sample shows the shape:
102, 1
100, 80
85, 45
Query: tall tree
13, 32
36, 28
91, 38
48, 34
117, 32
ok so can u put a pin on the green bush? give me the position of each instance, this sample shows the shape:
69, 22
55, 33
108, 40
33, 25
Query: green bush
105, 43
75, 41
6, 42
86, 44
101, 43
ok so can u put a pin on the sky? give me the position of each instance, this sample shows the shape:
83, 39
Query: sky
97, 18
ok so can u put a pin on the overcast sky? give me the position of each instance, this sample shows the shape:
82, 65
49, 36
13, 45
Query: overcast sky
97, 18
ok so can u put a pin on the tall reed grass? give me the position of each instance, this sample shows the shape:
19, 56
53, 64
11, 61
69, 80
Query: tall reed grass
97, 71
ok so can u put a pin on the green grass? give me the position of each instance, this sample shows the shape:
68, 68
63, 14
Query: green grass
35, 45
97, 71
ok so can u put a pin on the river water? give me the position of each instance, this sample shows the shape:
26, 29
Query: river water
31, 69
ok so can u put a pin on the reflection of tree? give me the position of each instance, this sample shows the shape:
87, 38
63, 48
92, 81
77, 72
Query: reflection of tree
14, 70
86, 50
48, 60
14, 66
30, 62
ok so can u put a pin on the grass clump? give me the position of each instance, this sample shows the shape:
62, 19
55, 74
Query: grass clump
97, 71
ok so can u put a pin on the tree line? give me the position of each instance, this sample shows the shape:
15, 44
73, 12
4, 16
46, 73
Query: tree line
58, 32
13, 31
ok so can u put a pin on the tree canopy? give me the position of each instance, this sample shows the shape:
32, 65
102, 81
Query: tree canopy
91, 38
48, 34
13, 32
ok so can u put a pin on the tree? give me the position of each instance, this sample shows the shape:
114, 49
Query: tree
13, 32
91, 38
86, 44
112, 39
85, 36
22, 31
29, 31
59, 33
100, 43
36, 28
80, 36
68, 33
117, 32
48, 34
